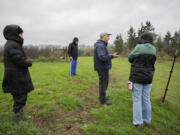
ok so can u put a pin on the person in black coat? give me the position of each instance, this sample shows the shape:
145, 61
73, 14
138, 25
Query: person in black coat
102, 64
142, 60
73, 55
17, 80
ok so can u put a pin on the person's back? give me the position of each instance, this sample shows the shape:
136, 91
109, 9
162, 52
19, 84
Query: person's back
142, 60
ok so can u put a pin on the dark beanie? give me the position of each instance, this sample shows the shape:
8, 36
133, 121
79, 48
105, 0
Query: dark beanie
75, 39
146, 37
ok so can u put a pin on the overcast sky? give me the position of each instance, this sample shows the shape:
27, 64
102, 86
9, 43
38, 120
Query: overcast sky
58, 21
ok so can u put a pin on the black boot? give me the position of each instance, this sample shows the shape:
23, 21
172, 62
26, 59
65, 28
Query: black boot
106, 102
16, 118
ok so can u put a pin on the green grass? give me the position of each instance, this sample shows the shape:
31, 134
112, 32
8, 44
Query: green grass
69, 105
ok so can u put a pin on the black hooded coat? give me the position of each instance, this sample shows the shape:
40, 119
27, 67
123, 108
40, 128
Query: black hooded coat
16, 79
73, 49
142, 60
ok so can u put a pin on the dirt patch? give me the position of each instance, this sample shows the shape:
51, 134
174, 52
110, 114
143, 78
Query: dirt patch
71, 121
48, 122
53, 100
73, 127
156, 132
77, 81
33, 111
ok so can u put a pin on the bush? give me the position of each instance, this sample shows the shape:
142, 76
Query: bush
88, 52
51, 58
42, 58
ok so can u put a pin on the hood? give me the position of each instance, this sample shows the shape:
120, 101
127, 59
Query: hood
75, 39
146, 37
11, 32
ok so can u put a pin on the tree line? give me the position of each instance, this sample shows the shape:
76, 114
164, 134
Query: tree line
165, 45
50, 52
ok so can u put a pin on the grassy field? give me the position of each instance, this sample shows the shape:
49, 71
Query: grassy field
63, 105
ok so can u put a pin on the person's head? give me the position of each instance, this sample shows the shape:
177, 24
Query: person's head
146, 37
13, 32
105, 36
76, 40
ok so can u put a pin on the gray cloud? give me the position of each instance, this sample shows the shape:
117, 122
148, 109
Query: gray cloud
58, 21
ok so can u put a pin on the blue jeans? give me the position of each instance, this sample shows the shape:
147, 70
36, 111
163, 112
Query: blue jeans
73, 65
141, 103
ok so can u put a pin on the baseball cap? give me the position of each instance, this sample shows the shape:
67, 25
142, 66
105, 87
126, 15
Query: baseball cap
104, 33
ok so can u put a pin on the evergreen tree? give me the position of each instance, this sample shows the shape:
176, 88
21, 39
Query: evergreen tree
119, 44
148, 27
167, 42
159, 44
132, 39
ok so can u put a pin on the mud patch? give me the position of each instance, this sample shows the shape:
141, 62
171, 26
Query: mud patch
156, 132
71, 122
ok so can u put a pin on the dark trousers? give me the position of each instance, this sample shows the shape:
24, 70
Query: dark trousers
19, 102
103, 84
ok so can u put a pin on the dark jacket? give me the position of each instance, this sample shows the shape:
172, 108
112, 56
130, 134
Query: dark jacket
142, 60
73, 49
102, 58
17, 79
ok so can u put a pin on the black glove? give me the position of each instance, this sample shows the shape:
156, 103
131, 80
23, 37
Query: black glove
29, 63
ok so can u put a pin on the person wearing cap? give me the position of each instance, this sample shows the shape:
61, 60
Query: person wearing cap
102, 64
17, 80
142, 60
73, 55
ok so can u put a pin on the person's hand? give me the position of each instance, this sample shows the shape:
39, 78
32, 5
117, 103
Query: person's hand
29, 63
70, 58
115, 55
